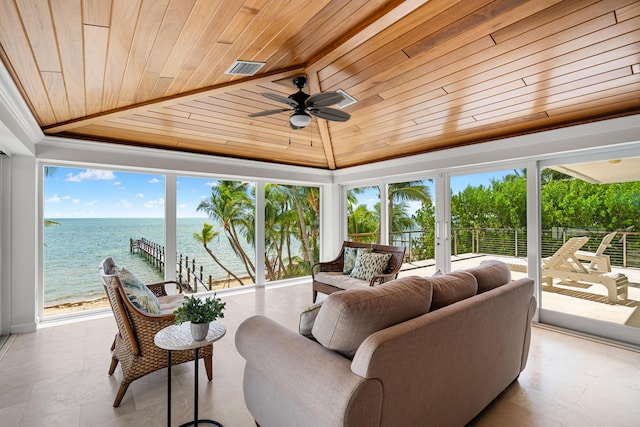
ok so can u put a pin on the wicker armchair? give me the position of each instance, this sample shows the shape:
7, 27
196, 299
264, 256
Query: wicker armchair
133, 346
333, 282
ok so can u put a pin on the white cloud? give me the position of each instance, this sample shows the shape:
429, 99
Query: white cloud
54, 199
154, 181
125, 203
76, 200
139, 195
92, 203
91, 175
154, 204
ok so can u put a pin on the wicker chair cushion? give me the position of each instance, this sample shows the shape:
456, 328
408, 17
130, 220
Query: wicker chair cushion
369, 264
169, 303
139, 295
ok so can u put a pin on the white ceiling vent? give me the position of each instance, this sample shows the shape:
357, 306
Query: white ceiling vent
348, 99
244, 68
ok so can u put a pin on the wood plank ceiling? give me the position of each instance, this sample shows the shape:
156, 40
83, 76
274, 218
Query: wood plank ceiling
427, 75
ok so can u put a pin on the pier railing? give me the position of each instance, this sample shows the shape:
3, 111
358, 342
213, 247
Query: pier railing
188, 273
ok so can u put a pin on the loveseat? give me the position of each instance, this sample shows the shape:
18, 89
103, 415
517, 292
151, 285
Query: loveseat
416, 351
357, 265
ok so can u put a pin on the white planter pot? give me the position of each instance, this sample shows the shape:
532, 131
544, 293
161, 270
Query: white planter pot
199, 331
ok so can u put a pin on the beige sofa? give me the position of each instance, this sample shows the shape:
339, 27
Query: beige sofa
416, 351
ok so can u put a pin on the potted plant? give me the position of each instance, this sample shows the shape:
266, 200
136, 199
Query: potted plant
200, 313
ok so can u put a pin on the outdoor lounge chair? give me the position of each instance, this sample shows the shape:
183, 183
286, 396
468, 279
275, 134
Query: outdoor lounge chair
565, 265
598, 261
133, 347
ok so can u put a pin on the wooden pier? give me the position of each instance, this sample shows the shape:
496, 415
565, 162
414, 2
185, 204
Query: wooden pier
188, 273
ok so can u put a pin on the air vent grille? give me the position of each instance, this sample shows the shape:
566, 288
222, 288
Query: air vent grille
244, 68
348, 99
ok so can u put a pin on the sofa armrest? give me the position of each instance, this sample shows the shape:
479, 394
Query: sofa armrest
309, 384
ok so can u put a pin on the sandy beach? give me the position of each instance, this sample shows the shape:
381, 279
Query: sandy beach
78, 306
74, 307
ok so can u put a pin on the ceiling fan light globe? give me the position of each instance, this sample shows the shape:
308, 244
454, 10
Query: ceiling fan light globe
300, 119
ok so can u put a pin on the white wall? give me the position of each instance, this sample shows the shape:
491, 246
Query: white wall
24, 247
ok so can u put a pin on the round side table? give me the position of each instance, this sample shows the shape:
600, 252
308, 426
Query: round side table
176, 337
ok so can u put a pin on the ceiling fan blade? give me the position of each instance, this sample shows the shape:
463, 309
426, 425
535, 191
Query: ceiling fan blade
324, 99
268, 112
330, 114
280, 98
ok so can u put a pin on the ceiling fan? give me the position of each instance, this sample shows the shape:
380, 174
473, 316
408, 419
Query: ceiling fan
303, 104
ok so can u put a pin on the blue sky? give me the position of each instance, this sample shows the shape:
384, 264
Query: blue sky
97, 193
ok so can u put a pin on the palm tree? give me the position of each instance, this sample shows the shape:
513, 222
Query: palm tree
398, 194
205, 237
231, 205
401, 192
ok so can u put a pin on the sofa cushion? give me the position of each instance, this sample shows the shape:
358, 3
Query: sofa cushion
347, 318
451, 288
139, 295
308, 318
490, 274
370, 264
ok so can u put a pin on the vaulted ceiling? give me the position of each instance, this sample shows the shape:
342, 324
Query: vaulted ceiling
427, 75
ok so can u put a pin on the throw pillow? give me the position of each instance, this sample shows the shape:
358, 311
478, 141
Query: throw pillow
139, 295
347, 318
370, 264
350, 255
308, 318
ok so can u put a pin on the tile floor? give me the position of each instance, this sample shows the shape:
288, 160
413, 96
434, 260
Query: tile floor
58, 376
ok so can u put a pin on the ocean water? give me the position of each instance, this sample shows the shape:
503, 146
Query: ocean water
74, 248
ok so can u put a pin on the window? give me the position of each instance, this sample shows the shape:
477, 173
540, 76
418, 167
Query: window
292, 230
91, 214
591, 240
363, 214
215, 231
411, 208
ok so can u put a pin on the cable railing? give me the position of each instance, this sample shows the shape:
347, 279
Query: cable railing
624, 250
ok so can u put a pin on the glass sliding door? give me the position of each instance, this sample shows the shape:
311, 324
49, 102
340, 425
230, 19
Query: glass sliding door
591, 246
411, 222
489, 218
363, 214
